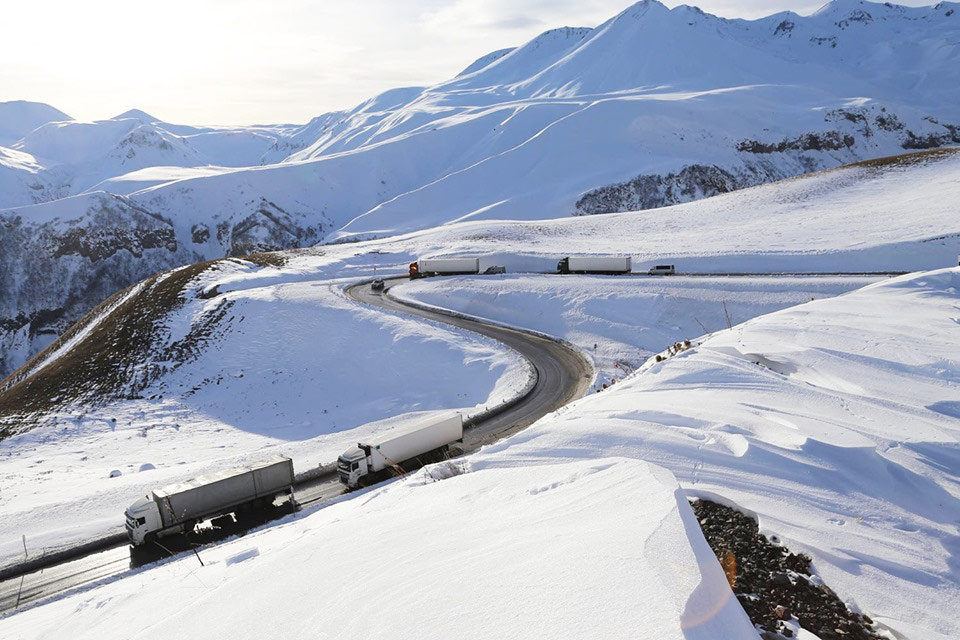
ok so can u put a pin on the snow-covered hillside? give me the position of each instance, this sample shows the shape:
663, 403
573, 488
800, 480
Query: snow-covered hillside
160, 389
655, 106
896, 215
833, 422
836, 422
605, 549
77, 156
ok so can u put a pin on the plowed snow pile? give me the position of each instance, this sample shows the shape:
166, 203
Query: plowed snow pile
620, 322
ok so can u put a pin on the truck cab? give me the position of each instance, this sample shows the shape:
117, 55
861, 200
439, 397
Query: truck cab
351, 466
142, 518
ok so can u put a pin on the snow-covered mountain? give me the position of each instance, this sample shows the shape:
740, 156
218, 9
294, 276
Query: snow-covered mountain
20, 117
654, 107
76, 156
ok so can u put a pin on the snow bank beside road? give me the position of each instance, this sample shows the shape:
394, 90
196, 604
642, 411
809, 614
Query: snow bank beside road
620, 322
835, 421
585, 549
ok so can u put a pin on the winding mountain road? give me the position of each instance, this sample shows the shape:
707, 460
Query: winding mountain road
563, 375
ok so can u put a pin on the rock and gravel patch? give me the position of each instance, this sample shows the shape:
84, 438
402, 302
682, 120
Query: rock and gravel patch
778, 589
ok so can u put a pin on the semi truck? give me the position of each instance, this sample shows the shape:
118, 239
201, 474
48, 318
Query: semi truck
594, 264
444, 267
424, 441
178, 508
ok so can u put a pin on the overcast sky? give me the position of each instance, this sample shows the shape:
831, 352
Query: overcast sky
259, 61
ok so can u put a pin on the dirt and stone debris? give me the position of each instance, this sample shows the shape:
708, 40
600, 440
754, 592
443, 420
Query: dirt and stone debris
778, 589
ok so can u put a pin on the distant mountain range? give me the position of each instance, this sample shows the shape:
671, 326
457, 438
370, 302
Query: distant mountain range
655, 106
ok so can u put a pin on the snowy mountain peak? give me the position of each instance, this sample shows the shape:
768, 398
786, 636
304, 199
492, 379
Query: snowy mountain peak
20, 117
835, 7
642, 8
864, 12
485, 61
136, 114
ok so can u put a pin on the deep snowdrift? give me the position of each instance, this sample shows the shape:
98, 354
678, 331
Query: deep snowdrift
594, 548
835, 421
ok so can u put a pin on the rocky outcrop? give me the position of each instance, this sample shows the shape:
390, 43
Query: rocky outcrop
57, 266
849, 135
657, 190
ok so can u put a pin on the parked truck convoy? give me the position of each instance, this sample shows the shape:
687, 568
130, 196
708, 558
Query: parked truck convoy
594, 264
372, 460
178, 508
444, 267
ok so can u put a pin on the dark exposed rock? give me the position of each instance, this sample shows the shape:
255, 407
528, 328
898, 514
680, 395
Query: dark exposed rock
128, 348
200, 233
774, 585
888, 121
784, 28
825, 141
863, 119
54, 271
656, 190
857, 16
99, 244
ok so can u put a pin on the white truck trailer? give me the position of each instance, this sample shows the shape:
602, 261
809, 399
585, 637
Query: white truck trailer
371, 461
595, 264
444, 267
178, 508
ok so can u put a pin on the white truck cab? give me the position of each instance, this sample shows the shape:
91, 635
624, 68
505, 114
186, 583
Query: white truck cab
351, 466
143, 517
424, 439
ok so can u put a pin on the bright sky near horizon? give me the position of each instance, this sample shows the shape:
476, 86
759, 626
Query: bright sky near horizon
251, 61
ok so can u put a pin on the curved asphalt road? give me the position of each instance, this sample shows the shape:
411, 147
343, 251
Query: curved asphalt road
563, 375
